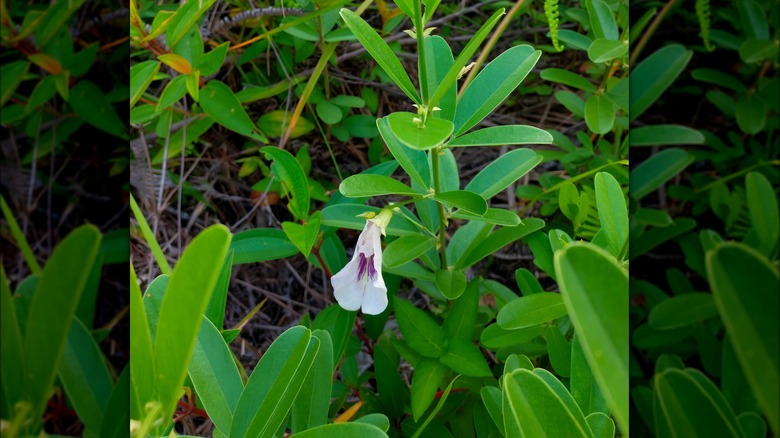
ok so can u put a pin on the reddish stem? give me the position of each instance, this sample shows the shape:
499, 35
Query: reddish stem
316, 251
440, 393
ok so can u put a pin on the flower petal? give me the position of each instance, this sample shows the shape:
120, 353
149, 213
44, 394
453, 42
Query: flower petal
375, 297
346, 287
350, 297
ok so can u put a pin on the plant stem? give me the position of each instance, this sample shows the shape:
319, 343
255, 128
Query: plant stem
442, 219
649, 32
421, 67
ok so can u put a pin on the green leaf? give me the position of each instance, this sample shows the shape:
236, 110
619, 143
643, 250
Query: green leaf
44, 90
662, 135
463, 357
141, 75
185, 18
346, 101
391, 388
464, 56
215, 376
496, 241
406, 248
54, 19
219, 102
682, 310
12, 371
531, 310
304, 236
416, 136
192, 82
275, 124
744, 285
310, 408
85, 377
12, 75
92, 105
677, 390
215, 311
599, 114
435, 411
601, 425
502, 172
451, 284
274, 384
439, 62
720, 78
574, 39
501, 136
753, 20
762, 207
604, 50
495, 337
751, 114
51, 312
379, 420
598, 308
355, 429
21, 241
141, 357
261, 244
527, 282
752, 425
602, 20
753, 50
329, 113
532, 407
568, 78
338, 323
658, 235
495, 216
173, 92
654, 75
420, 331
427, 377
211, 62
583, 385
413, 161
464, 200
491, 398
185, 300
291, 174
364, 184
493, 84
115, 425
462, 317
656, 170
559, 350
381, 52
613, 214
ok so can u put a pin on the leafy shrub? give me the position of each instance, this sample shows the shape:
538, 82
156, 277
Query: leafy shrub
481, 360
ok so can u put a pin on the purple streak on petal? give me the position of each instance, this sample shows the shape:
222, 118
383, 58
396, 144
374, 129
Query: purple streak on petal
362, 262
371, 269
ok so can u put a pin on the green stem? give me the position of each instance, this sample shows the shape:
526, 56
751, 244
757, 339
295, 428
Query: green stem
421, 67
442, 219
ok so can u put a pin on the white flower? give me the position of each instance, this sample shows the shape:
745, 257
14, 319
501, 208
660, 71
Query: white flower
360, 284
